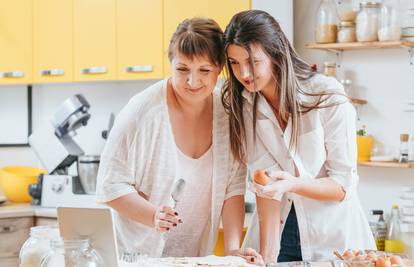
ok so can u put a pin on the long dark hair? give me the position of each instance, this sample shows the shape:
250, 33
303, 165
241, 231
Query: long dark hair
256, 27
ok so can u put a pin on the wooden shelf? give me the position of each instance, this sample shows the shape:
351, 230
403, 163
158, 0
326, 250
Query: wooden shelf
359, 101
386, 164
360, 45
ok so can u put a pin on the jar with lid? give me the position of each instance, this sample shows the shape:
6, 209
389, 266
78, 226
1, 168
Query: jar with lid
347, 9
389, 21
326, 20
404, 148
37, 245
346, 32
329, 69
367, 22
72, 253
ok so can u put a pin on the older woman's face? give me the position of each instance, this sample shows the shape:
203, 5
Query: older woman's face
240, 64
193, 80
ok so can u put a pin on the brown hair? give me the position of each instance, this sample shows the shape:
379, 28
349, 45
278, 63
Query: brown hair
256, 27
198, 37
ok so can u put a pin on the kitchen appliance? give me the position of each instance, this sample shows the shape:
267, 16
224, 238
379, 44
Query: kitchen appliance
54, 146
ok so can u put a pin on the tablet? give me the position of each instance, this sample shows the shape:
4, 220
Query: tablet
95, 224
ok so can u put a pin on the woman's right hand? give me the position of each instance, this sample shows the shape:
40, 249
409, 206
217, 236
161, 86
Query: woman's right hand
165, 219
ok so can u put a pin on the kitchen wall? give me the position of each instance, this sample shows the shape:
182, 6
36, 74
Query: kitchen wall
385, 78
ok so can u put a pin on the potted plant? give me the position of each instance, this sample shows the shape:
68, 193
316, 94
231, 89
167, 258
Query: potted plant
364, 144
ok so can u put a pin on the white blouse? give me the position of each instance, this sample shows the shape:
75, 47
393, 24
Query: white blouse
140, 155
193, 207
326, 148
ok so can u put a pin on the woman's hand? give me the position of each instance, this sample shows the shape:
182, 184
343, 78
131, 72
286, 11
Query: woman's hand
284, 182
249, 254
165, 219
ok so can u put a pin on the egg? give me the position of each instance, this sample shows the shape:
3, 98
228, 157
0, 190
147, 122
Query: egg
261, 178
348, 255
382, 262
395, 259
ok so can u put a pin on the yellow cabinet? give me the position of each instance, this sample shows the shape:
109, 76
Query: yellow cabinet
16, 41
176, 11
52, 41
94, 44
139, 37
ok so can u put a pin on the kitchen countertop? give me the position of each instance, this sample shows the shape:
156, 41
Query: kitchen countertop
11, 210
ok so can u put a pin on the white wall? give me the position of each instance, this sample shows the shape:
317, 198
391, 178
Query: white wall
386, 79
104, 98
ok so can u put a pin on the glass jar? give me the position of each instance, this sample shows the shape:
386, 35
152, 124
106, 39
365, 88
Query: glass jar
72, 253
347, 10
37, 245
329, 69
326, 20
389, 21
346, 32
367, 22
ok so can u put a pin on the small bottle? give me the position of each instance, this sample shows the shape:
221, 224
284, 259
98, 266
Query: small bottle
380, 230
329, 69
394, 242
403, 148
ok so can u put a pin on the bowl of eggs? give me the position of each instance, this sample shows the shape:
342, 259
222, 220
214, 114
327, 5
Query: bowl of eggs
371, 258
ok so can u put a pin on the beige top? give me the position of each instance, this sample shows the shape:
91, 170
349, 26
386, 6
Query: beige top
140, 155
193, 207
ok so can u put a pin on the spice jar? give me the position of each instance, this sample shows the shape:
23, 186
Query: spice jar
346, 32
37, 245
367, 22
389, 21
329, 69
72, 253
347, 9
326, 19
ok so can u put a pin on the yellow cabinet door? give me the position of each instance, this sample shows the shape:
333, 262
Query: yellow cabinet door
139, 39
52, 41
94, 44
176, 11
16, 42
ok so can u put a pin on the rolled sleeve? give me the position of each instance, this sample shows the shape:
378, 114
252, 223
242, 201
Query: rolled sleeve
237, 185
340, 143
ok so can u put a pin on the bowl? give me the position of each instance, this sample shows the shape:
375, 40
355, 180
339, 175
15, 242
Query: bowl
15, 181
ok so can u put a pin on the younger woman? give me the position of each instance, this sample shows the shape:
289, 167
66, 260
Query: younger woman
300, 127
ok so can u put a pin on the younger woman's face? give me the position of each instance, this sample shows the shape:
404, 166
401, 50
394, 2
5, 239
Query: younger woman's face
193, 80
240, 64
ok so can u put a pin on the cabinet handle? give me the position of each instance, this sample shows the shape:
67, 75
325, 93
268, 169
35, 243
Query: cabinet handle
140, 68
12, 74
94, 70
7, 229
55, 72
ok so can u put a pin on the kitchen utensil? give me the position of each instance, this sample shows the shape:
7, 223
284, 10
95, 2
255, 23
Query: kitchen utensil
15, 181
88, 171
177, 192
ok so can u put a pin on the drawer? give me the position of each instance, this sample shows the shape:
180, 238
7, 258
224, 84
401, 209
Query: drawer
13, 233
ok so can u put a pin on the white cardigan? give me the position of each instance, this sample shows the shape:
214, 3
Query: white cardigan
140, 155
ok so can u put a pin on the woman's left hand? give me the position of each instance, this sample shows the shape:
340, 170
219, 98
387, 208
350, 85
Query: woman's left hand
249, 254
284, 182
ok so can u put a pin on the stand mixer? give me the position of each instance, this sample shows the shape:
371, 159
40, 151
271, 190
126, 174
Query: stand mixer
57, 151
